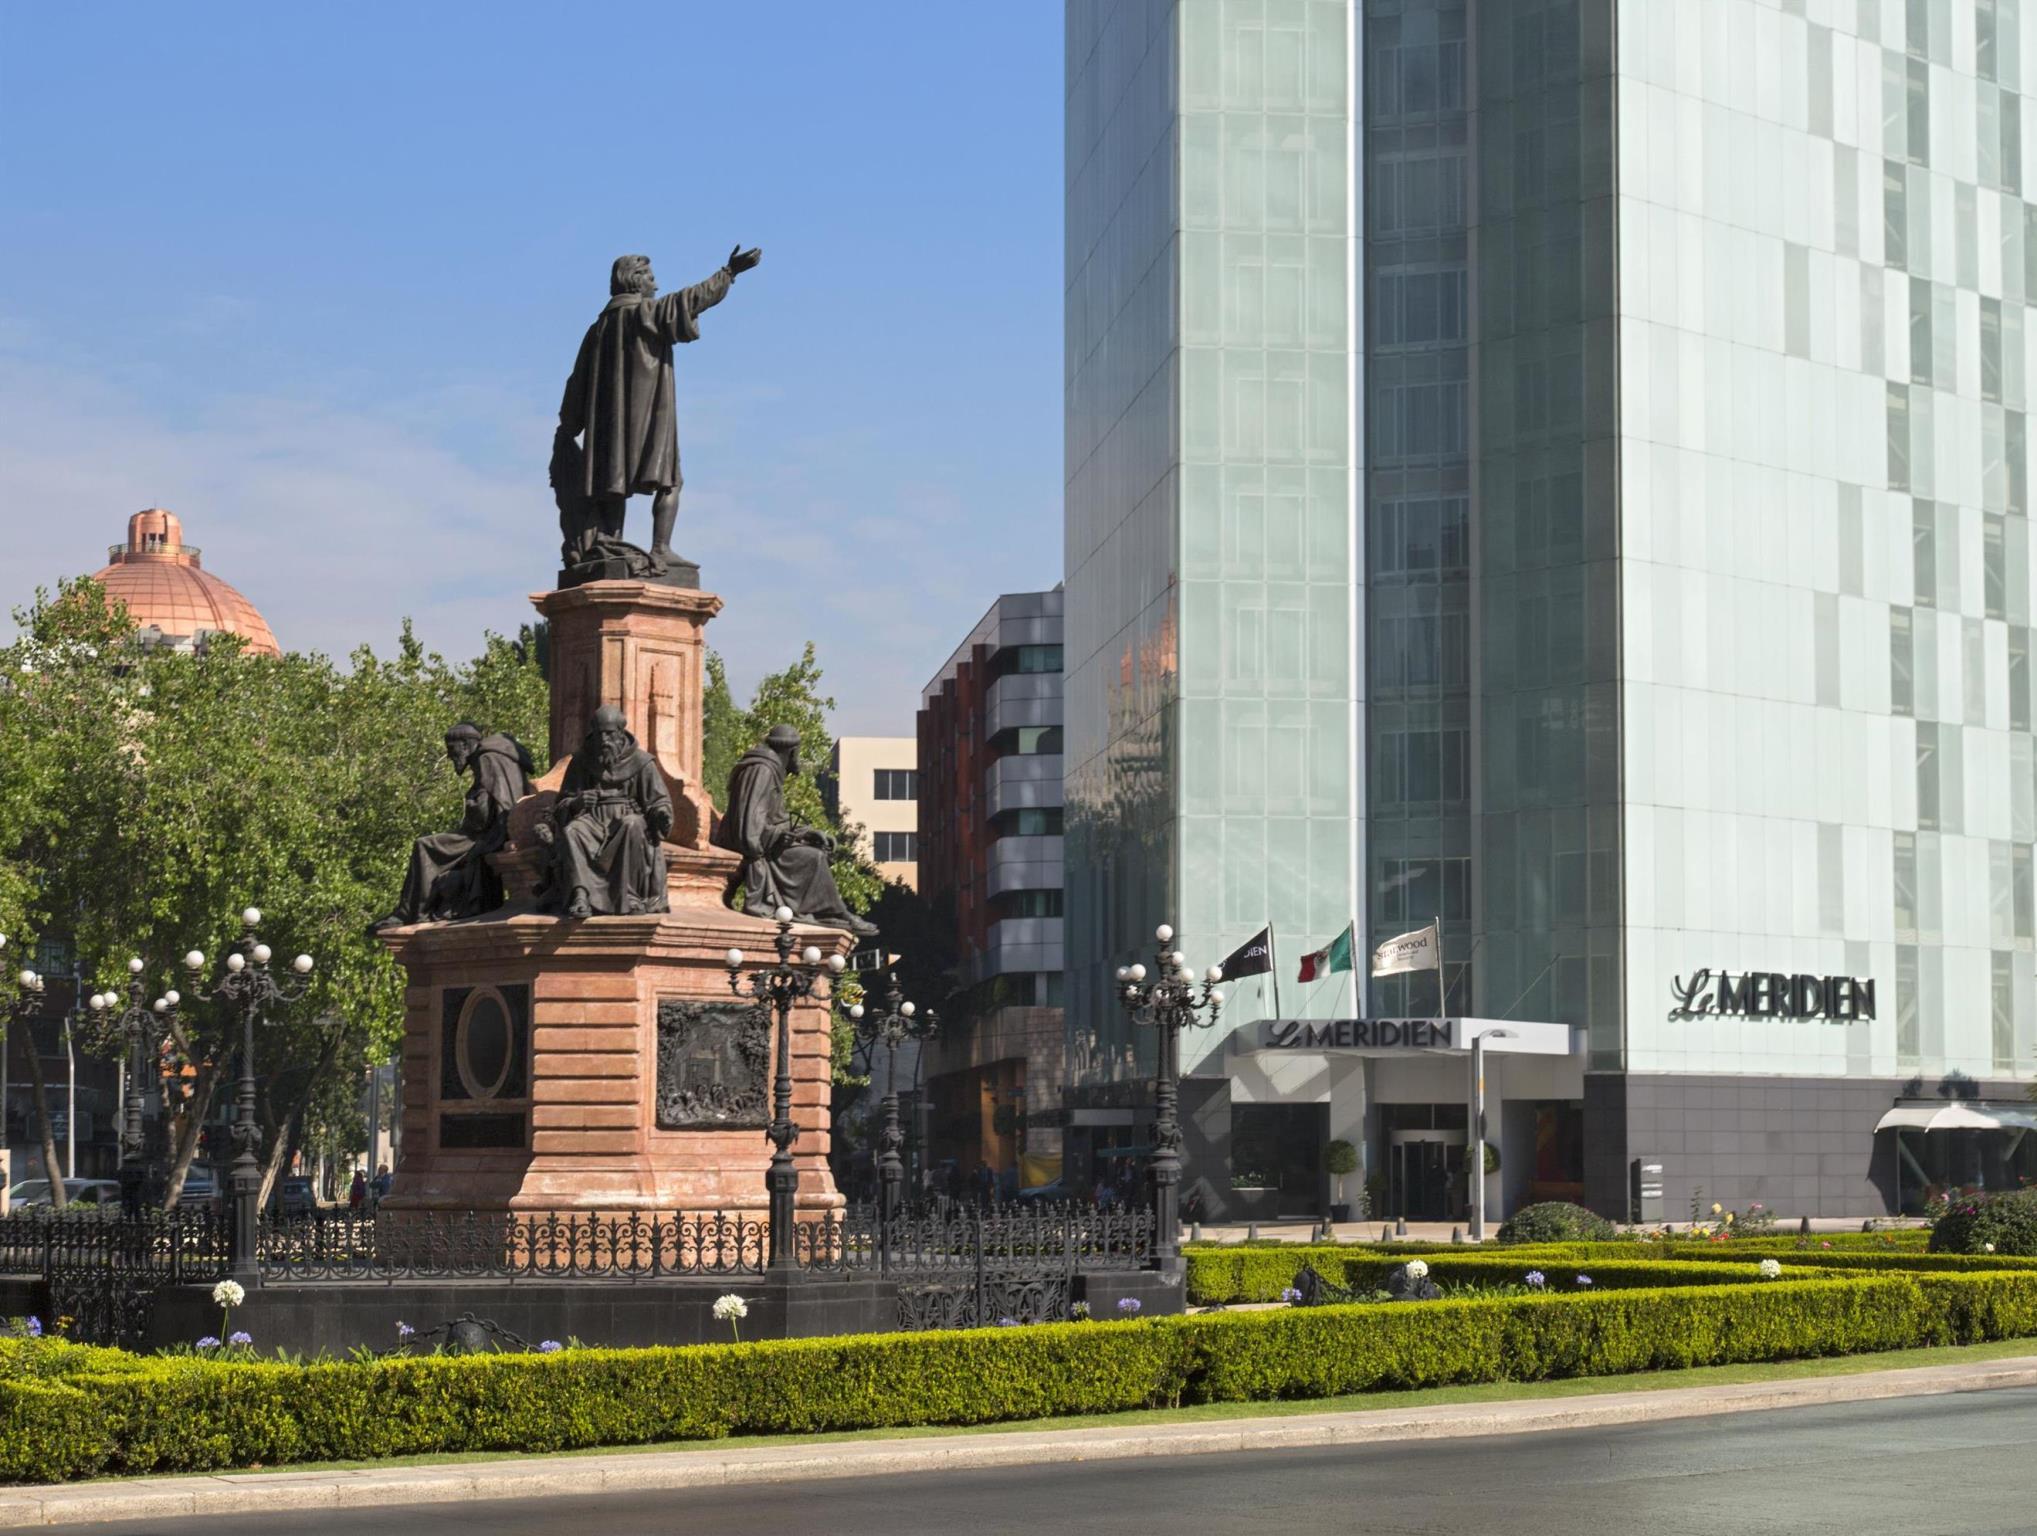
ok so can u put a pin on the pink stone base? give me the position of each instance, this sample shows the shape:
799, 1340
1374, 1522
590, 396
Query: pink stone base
592, 1139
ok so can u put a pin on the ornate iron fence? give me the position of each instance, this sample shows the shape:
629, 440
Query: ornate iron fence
103, 1269
491, 1245
957, 1265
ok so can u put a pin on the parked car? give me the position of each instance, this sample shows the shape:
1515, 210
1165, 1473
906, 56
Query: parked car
80, 1192
295, 1197
201, 1187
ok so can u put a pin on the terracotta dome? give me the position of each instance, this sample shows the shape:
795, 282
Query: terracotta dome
160, 579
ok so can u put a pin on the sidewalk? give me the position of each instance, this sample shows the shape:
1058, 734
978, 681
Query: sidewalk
529, 1477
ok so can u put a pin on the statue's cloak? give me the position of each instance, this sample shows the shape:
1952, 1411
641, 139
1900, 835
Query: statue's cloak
621, 395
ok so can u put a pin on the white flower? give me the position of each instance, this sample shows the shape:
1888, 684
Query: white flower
228, 1294
1417, 1269
1987, 1247
731, 1307
1771, 1269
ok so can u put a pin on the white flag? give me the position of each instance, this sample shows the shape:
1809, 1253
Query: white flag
1415, 951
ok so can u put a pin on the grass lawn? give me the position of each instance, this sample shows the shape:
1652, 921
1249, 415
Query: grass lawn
1494, 1392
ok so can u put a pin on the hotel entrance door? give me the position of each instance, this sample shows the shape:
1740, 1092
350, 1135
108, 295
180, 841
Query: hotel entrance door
1425, 1175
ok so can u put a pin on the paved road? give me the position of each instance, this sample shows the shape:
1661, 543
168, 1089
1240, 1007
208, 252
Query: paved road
1960, 1466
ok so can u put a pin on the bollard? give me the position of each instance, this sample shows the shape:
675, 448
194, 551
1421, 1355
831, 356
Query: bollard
1804, 1227
1252, 1232
1456, 1234
1385, 1233
1400, 1226
1195, 1231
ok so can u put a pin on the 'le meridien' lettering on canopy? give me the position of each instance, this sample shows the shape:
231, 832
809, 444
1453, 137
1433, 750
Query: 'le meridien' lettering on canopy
1772, 995
1360, 1034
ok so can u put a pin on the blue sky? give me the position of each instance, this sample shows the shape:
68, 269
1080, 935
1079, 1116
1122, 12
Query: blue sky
311, 277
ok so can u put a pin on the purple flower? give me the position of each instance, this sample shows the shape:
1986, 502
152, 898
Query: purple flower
1536, 1278
1584, 1279
240, 1338
1007, 1322
1290, 1295
404, 1330
35, 1327
1128, 1305
550, 1347
208, 1342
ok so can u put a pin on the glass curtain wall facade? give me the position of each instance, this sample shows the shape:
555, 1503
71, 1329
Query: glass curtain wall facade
1211, 696
1419, 212
1825, 497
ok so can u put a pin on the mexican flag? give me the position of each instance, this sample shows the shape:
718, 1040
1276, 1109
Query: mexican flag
1336, 956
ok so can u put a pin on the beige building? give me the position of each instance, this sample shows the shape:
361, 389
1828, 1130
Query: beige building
873, 783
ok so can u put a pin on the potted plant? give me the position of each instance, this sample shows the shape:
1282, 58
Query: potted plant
1340, 1158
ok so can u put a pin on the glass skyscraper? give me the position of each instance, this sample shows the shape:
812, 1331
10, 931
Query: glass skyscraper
1558, 468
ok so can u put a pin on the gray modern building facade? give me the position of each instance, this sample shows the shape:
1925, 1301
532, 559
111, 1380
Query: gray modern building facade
1558, 468
990, 845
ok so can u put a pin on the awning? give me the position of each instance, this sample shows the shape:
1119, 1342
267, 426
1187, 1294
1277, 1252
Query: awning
1958, 1117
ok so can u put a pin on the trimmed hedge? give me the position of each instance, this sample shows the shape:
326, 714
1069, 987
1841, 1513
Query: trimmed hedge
1258, 1274
1554, 1221
181, 1414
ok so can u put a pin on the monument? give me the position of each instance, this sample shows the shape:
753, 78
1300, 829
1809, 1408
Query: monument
574, 1045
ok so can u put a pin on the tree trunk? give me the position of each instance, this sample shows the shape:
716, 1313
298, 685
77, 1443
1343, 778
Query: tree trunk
184, 1143
59, 1196
279, 1144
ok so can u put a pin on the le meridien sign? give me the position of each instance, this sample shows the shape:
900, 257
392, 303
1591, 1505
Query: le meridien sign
1772, 995
1359, 1035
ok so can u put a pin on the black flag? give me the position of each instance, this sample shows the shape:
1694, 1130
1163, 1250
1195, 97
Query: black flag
1254, 957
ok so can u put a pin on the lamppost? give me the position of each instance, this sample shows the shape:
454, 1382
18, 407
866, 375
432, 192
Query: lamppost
1168, 1004
781, 988
891, 1029
26, 1004
251, 992
1478, 1128
141, 1026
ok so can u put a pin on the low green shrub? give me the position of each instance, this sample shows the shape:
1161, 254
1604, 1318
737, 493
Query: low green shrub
1555, 1221
2004, 1223
189, 1414
1256, 1274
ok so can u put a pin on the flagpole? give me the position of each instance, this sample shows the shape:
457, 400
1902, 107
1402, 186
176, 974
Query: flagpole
1273, 956
1442, 988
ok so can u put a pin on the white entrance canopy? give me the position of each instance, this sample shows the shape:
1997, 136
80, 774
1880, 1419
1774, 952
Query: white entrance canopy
1403, 1037
1958, 1117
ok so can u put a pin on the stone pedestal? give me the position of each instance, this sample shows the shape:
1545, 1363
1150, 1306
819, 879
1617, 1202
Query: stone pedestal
602, 1064
631, 1078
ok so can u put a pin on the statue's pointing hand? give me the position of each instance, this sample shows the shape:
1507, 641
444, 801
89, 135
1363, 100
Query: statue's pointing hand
740, 260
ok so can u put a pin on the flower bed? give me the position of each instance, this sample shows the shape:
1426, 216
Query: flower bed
68, 1412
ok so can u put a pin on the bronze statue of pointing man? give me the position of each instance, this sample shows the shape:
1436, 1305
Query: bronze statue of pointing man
618, 433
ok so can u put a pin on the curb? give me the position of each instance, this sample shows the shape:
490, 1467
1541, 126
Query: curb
558, 1476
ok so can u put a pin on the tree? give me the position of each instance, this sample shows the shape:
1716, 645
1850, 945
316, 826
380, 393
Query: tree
149, 795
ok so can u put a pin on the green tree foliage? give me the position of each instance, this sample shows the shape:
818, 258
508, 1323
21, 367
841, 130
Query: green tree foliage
146, 797
792, 697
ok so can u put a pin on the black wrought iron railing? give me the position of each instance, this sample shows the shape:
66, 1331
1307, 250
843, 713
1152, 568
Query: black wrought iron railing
953, 1262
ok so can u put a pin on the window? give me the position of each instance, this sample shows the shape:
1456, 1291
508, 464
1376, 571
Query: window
1029, 904
895, 847
1035, 658
1420, 890
895, 784
1033, 740
1033, 823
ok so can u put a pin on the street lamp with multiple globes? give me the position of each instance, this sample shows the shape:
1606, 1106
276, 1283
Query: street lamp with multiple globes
1168, 1003
799, 974
891, 1029
142, 1026
25, 1005
250, 991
